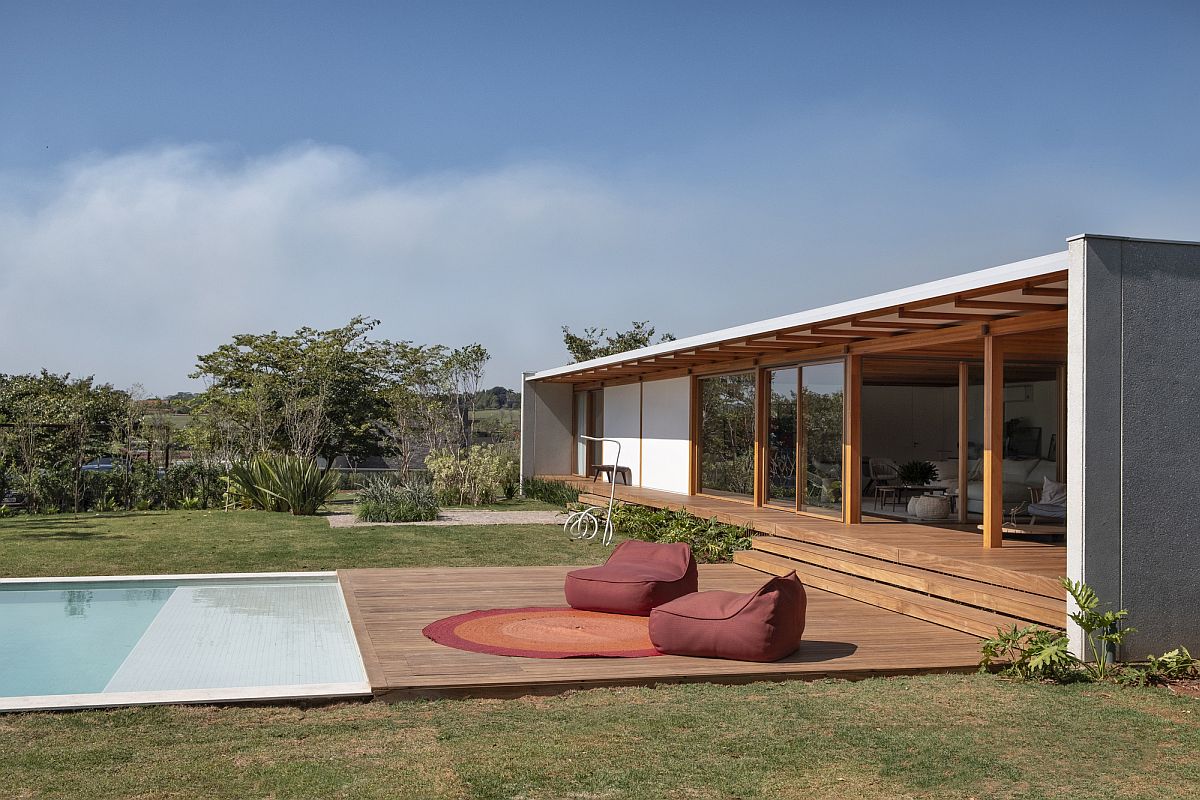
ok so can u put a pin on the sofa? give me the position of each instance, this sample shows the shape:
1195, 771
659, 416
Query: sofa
1020, 475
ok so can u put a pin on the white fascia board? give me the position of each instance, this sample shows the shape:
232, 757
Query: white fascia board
1018, 270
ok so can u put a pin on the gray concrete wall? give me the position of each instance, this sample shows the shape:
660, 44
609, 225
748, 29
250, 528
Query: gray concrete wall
546, 436
1133, 434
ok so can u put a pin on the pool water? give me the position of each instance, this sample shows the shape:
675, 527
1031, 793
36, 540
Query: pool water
141, 636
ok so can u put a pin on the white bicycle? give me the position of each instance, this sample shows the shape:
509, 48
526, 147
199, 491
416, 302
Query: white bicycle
587, 523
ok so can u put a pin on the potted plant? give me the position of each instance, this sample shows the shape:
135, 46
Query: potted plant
917, 473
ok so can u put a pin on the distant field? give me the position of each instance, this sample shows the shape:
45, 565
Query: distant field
509, 415
497, 422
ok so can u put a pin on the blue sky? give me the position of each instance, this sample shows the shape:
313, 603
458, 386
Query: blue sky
172, 173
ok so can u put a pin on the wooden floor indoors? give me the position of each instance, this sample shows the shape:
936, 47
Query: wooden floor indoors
389, 607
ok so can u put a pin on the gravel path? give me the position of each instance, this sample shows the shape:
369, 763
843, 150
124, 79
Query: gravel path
447, 518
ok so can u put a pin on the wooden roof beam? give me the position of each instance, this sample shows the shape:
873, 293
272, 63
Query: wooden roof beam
893, 325
945, 316
1007, 306
798, 338
1044, 291
826, 333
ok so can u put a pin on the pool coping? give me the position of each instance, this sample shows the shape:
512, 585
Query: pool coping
194, 576
244, 694
240, 694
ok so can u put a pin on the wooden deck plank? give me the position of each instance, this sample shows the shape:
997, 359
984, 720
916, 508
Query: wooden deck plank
843, 637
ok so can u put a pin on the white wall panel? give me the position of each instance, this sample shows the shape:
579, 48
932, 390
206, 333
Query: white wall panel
666, 432
622, 421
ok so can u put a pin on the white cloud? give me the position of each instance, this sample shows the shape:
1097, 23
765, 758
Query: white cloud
129, 265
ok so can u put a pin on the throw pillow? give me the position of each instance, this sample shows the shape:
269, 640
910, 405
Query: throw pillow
1053, 493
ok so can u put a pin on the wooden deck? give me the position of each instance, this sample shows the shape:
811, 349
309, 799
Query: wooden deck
1021, 564
389, 607
937, 573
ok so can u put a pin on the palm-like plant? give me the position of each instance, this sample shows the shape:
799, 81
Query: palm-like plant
283, 483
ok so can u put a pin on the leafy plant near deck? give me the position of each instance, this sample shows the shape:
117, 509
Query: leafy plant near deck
1175, 665
712, 542
1030, 653
283, 483
1035, 653
557, 492
1101, 629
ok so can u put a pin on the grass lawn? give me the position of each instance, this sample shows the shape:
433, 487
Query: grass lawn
929, 737
255, 541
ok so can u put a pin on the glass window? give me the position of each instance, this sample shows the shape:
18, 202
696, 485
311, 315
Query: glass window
781, 437
727, 435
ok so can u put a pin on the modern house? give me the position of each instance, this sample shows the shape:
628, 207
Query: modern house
1080, 367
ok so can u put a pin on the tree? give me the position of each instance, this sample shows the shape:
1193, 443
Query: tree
430, 394
589, 345
53, 425
309, 393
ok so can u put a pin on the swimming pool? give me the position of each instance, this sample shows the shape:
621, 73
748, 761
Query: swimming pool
69, 643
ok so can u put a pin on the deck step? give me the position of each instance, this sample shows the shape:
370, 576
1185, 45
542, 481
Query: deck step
1009, 602
903, 601
1034, 584
601, 501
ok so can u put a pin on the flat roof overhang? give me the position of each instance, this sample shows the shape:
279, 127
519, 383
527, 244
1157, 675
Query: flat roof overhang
946, 318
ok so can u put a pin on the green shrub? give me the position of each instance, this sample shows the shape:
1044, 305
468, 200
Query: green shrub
1030, 653
473, 476
1035, 653
380, 500
712, 542
193, 481
106, 504
377, 489
1175, 665
557, 492
282, 483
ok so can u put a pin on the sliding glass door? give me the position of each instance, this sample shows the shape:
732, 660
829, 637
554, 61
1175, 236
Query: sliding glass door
804, 430
822, 406
727, 422
589, 421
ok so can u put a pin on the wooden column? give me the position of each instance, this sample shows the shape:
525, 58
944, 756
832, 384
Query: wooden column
964, 377
993, 441
852, 443
641, 427
694, 450
1060, 442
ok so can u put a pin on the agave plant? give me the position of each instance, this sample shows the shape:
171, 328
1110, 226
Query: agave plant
283, 483
248, 482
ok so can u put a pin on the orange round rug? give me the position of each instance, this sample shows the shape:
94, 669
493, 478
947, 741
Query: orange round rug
545, 633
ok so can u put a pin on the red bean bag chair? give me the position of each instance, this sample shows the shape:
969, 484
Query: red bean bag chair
637, 577
761, 626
